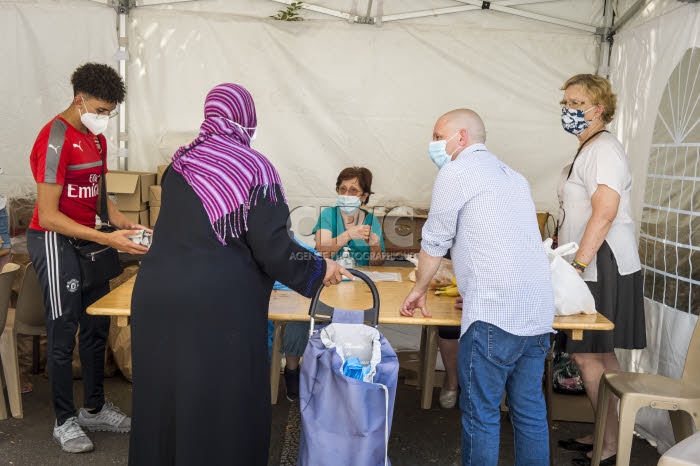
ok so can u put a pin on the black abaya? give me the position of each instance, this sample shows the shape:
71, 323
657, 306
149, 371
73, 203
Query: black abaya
199, 331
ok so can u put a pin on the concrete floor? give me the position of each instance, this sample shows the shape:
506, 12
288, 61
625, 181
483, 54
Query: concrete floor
418, 438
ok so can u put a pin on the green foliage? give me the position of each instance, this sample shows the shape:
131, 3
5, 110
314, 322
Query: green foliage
290, 14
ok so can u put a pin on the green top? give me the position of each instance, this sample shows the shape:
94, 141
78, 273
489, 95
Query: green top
331, 220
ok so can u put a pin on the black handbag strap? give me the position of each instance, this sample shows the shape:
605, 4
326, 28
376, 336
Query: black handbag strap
103, 189
560, 222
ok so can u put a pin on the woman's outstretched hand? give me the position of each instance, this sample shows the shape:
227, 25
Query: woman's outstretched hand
335, 272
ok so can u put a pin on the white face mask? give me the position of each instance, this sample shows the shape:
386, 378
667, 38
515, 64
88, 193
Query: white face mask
97, 124
245, 130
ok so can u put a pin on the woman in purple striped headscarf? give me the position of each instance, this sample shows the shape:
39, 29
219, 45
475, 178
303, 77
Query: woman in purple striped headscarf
199, 307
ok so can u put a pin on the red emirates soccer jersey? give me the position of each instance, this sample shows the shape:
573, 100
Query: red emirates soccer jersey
63, 155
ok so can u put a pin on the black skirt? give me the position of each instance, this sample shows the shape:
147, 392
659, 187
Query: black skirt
620, 298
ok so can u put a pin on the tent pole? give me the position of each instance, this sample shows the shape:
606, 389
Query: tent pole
457, 9
629, 14
526, 14
320, 9
123, 56
606, 39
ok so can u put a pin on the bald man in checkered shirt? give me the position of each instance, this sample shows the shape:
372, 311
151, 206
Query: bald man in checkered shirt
482, 212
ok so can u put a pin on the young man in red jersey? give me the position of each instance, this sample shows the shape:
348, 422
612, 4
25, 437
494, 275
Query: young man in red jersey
68, 160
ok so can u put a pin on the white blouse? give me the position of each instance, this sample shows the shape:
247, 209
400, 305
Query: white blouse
602, 161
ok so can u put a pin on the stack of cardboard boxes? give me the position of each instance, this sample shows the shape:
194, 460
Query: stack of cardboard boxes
129, 191
154, 196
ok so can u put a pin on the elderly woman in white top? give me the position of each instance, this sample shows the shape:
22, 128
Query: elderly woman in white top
594, 194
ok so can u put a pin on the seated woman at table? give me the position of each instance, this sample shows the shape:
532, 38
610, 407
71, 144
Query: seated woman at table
200, 302
347, 224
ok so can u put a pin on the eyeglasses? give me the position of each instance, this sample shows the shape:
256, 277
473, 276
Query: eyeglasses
104, 113
352, 191
571, 104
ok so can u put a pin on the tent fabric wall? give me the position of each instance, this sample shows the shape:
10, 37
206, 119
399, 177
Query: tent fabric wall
643, 58
43, 43
330, 94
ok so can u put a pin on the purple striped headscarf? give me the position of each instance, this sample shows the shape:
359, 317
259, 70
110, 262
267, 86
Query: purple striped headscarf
220, 165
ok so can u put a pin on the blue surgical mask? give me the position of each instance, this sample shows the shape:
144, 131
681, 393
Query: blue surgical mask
573, 121
348, 204
437, 151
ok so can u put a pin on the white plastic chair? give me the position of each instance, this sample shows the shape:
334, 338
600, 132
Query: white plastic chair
685, 453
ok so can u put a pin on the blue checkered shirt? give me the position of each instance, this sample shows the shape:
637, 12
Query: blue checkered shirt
483, 212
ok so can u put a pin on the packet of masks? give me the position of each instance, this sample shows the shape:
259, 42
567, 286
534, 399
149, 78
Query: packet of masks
143, 238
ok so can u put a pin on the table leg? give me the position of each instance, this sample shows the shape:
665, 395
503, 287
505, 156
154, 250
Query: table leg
548, 394
275, 361
429, 356
3, 406
420, 382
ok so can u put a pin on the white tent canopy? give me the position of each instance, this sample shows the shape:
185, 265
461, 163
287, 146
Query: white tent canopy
333, 92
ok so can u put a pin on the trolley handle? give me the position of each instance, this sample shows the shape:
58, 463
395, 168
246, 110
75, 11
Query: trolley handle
319, 309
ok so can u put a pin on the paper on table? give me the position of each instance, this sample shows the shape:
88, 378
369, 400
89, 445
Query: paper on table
379, 276
384, 276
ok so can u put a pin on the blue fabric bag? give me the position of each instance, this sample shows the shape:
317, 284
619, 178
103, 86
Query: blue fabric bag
346, 421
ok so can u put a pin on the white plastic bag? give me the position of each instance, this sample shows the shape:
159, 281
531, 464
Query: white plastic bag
571, 294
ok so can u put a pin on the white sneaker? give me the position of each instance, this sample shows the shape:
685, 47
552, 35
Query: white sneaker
448, 398
109, 419
71, 437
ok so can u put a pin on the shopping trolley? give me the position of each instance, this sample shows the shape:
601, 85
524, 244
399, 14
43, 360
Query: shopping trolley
346, 421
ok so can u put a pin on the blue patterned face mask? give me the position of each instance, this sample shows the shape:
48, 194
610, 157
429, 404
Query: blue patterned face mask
573, 121
437, 152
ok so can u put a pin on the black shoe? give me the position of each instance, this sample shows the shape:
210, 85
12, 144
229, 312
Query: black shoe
573, 445
586, 461
291, 381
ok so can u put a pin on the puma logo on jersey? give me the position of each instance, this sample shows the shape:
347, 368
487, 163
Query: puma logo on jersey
78, 145
55, 148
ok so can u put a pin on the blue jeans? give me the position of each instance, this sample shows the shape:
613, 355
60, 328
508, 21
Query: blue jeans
4, 229
492, 360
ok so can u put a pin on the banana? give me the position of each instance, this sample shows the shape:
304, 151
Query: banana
454, 281
451, 291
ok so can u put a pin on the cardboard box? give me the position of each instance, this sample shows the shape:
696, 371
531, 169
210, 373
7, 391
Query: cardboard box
571, 408
153, 216
154, 196
159, 172
140, 217
129, 190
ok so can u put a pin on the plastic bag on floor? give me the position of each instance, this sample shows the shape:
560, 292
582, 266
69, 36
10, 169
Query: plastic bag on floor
567, 378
